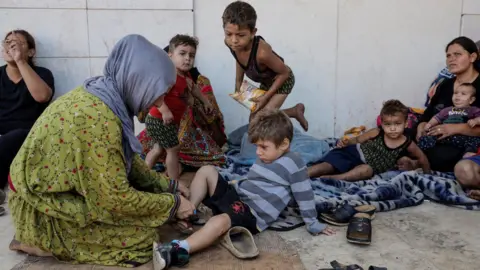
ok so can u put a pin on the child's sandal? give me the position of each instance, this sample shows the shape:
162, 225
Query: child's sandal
338, 266
360, 229
342, 215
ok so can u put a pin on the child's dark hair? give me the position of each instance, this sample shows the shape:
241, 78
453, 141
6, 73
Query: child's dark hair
185, 40
270, 125
474, 92
240, 13
28, 38
392, 107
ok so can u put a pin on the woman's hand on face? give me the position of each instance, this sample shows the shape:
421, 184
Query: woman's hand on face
16, 51
443, 131
185, 209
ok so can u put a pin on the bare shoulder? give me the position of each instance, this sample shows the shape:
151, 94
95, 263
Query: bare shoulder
264, 50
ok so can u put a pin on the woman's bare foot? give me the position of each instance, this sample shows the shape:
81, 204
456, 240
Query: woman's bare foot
152, 156
474, 194
18, 246
300, 115
407, 164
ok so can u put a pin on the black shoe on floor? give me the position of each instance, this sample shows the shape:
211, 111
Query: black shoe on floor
166, 255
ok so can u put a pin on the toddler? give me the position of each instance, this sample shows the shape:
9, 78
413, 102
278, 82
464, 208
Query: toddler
461, 112
374, 152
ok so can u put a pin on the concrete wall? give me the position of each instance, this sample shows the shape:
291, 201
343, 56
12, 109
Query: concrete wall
348, 55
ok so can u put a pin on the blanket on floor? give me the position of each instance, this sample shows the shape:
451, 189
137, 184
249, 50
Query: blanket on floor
388, 191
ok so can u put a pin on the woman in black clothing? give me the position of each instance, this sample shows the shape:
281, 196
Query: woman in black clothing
25, 91
462, 59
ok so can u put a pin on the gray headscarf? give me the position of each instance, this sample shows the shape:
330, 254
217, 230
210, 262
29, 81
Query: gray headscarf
136, 74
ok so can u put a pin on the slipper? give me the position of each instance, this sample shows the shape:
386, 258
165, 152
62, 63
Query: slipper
2, 211
342, 215
360, 229
338, 266
239, 241
376, 268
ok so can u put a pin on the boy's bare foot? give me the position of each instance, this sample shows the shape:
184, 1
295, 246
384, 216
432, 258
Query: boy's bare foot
152, 156
407, 164
300, 115
18, 246
474, 194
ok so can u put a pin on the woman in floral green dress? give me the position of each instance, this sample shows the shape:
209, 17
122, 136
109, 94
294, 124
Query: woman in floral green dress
79, 190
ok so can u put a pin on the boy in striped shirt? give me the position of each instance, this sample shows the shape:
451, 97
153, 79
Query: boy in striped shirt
278, 178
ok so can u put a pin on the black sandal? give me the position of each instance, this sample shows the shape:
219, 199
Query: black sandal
342, 215
360, 229
376, 268
2, 211
338, 266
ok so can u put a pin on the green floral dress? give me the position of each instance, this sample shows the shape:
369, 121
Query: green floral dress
72, 196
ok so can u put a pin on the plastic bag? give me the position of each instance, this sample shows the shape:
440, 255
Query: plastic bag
247, 92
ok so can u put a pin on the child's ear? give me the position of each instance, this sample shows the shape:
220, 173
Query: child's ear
285, 144
170, 53
254, 31
472, 99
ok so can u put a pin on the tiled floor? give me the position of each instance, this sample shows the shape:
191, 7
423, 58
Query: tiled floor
429, 236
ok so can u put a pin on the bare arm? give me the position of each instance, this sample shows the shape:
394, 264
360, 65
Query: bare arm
417, 154
38, 88
433, 122
265, 56
240, 73
371, 133
198, 94
164, 109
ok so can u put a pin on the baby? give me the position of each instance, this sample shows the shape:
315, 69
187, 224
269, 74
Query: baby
462, 112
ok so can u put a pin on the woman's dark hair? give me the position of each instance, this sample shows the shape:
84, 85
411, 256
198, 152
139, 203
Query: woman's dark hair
466, 44
30, 41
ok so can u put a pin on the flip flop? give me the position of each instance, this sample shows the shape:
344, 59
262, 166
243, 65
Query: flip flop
342, 215
239, 241
338, 266
2, 211
377, 268
360, 229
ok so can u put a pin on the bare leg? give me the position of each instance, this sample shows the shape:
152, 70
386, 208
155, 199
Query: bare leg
320, 169
18, 246
209, 233
153, 155
407, 164
361, 172
298, 112
205, 180
171, 162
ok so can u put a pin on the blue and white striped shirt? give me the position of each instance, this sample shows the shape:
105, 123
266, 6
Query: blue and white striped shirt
271, 187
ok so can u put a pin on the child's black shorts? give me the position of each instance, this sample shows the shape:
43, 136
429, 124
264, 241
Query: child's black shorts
225, 200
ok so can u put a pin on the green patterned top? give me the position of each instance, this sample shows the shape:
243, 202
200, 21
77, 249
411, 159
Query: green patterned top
379, 156
73, 197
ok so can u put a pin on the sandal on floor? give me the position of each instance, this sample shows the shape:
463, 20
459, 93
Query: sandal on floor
376, 268
239, 241
338, 266
342, 215
360, 229
2, 211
